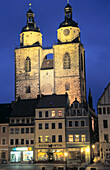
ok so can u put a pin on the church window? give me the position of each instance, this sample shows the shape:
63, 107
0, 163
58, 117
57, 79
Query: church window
28, 89
66, 61
28, 65
67, 86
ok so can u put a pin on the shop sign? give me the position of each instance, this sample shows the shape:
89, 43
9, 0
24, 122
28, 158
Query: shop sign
22, 149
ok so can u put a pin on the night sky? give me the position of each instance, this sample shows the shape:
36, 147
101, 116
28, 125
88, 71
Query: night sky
93, 17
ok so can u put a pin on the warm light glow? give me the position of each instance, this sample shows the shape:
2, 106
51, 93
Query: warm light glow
70, 138
53, 113
82, 150
65, 153
87, 149
93, 146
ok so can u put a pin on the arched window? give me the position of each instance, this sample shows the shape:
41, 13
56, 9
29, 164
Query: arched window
66, 61
28, 65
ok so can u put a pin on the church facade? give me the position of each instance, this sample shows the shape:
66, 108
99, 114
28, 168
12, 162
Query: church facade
35, 74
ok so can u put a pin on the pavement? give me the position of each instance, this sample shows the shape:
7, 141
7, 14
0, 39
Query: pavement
98, 166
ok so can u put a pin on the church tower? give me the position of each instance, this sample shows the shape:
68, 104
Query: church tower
27, 60
69, 60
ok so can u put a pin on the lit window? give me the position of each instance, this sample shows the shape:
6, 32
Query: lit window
66, 61
40, 139
76, 138
53, 113
60, 113
83, 138
46, 139
28, 65
70, 138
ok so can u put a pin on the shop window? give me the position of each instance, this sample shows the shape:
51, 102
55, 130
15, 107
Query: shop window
40, 125
70, 123
106, 137
82, 123
60, 113
83, 138
53, 113
105, 123
76, 138
32, 120
11, 141
23, 121
53, 125
46, 126
46, 139
60, 138
70, 138
4, 129
15, 156
76, 123
32, 141
60, 125
40, 114
28, 89
32, 130
67, 86
17, 121
46, 113
66, 61
53, 138
27, 130
22, 130
60, 168
3, 141
16, 130
27, 120
28, 65
16, 141
40, 139
108, 110
104, 110
12, 131
27, 155
22, 141
27, 142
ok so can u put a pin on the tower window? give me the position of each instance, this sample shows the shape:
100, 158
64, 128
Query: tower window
28, 65
28, 89
67, 86
66, 61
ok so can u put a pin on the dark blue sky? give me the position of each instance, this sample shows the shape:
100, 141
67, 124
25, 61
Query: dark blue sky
93, 18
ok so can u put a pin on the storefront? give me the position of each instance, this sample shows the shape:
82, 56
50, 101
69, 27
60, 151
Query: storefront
21, 154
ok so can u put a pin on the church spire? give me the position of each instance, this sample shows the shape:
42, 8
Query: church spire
68, 11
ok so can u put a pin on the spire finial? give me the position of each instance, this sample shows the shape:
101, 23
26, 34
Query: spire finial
29, 5
67, 1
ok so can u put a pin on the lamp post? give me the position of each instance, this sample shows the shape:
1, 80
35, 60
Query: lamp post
66, 154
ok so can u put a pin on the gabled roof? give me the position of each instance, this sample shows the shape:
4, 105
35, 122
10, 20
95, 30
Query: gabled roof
53, 101
5, 110
24, 108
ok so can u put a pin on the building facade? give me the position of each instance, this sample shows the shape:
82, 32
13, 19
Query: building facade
36, 74
103, 107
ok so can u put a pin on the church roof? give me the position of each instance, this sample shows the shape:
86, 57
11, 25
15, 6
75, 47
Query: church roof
67, 23
5, 110
30, 27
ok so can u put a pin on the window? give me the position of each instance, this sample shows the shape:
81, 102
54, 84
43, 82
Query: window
32, 120
76, 123
105, 123
70, 123
22, 130
40, 139
60, 125
66, 61
27, 142
12, 121
76, 138
22, 141
27, 130
46, 126
32, 141
60, 138
32, 130
70, 138
3, 155
28, 89
46, 113
106, 137
3, 129
40, 114
16, 141
53, 125
82, 123
3, 141
108, 110
100, 111
46, 139
104, 110
27, 120
83, 138
40, 125
16, 130
60, 113
28, 65
12, 131
53, 138
23, 121
11, 141
67, 86
17, 121
53, 113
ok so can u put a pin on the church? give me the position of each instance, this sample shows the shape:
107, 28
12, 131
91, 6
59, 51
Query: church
36, 73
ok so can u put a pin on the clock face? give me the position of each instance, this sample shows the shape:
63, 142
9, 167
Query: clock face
66, 32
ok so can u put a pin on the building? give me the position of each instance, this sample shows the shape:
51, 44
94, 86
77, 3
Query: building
36, 74
50, 140
103, 107
5, 110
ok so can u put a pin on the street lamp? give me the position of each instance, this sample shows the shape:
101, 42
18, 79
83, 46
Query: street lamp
66, 154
